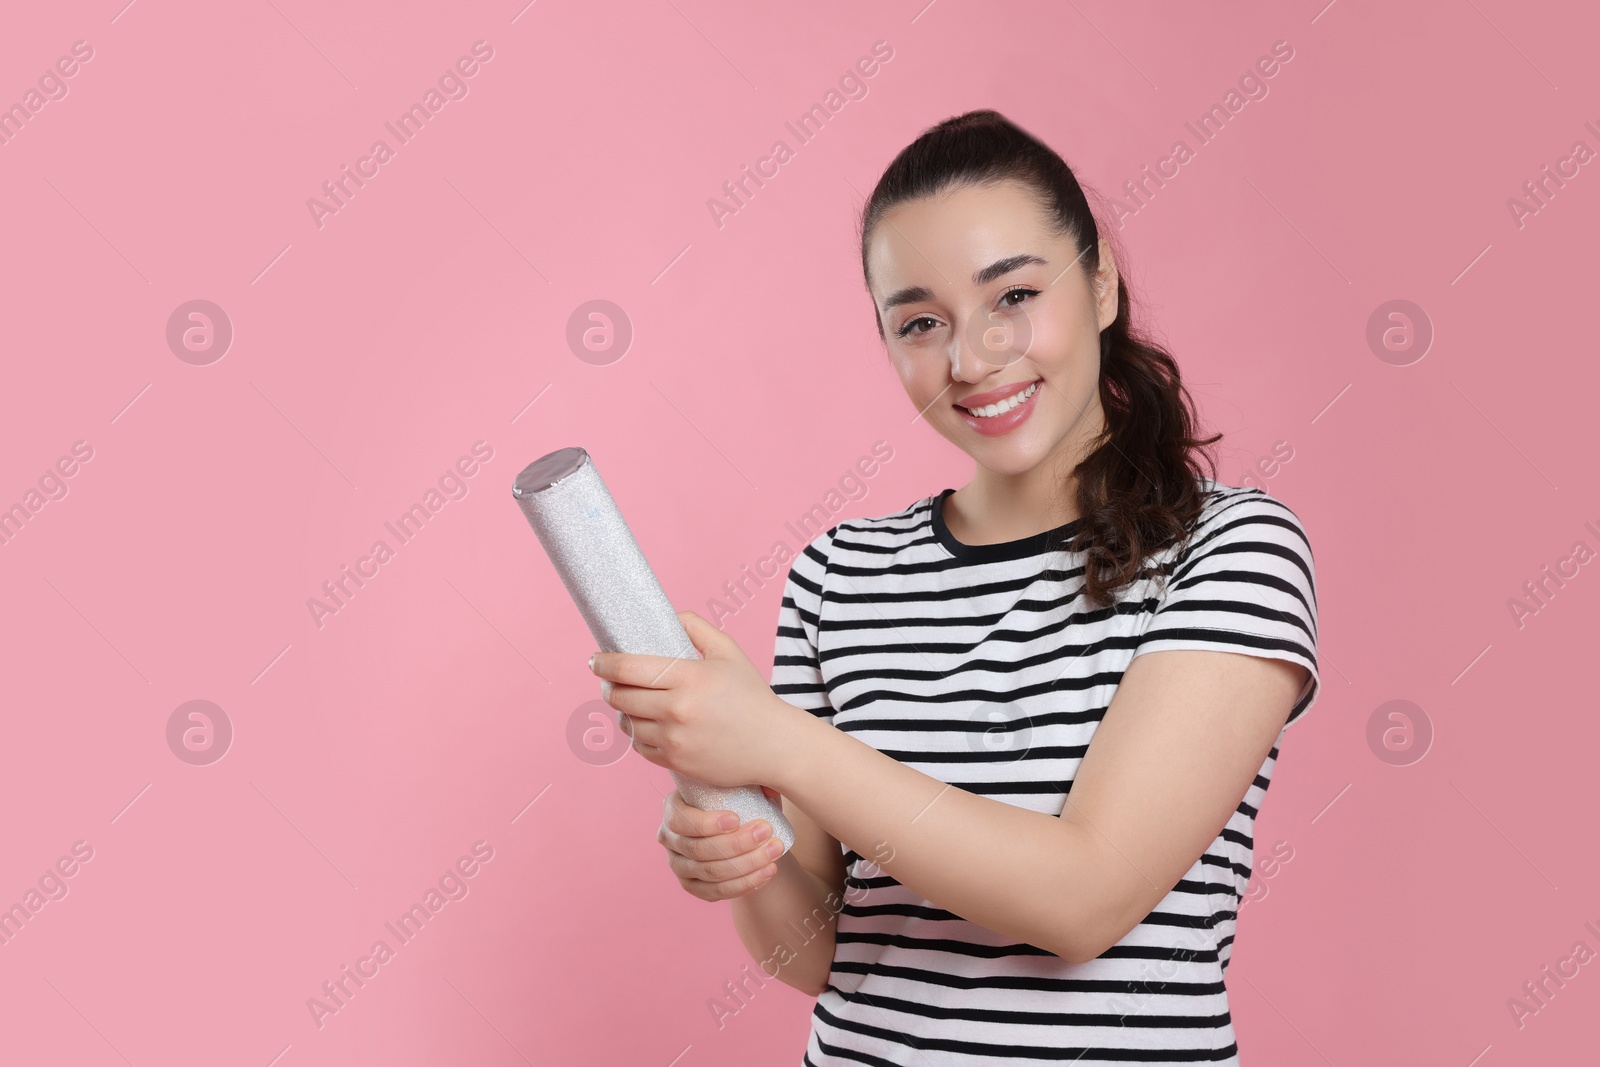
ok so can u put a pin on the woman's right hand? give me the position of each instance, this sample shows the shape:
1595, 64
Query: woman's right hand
712, 863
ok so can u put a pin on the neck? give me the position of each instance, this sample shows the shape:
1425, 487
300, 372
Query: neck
995, 507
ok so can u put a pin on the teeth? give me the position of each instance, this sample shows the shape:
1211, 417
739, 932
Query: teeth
989, 411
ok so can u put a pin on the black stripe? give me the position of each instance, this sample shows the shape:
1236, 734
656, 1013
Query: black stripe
930, 650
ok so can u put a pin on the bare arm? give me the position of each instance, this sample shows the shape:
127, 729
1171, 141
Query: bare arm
787, 926
1170, 762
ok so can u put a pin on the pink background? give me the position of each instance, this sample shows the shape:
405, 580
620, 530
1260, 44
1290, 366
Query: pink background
431, 311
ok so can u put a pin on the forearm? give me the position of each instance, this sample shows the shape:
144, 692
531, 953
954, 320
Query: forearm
787, 926
1021, 873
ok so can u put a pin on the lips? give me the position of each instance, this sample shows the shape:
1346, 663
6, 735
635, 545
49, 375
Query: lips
978, 400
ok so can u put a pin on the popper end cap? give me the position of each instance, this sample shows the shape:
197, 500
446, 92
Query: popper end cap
547, 470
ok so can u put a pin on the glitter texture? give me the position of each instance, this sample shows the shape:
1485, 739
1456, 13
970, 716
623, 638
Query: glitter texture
618, 595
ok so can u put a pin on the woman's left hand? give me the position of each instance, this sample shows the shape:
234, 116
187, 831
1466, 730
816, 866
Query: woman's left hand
715, 719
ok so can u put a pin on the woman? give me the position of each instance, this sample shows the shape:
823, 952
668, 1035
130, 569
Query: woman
1090, 613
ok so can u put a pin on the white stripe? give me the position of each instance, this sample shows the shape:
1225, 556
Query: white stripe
987, 670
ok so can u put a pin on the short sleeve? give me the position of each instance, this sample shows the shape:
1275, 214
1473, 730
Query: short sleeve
796, 666
1246, 584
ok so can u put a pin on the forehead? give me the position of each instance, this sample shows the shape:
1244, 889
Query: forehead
939, 241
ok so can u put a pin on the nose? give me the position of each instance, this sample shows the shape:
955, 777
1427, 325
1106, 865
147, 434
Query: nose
978, 349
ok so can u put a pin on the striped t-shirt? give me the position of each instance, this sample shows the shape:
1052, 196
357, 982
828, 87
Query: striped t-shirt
982, 666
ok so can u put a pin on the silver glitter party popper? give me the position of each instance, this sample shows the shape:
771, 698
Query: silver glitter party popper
618, 595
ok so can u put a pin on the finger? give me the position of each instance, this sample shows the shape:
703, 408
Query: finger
635, 668
686, 819
684, 823
735, 886
690, 822
705, 848
631, 728
694, 851
701, 632
722, 870
645, 734
641, 704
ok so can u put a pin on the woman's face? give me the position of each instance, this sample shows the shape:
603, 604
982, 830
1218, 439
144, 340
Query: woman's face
976, 295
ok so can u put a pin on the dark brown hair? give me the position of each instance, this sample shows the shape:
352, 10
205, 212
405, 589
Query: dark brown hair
1139, 489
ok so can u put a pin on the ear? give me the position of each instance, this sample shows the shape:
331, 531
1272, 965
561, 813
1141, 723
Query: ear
1105, 285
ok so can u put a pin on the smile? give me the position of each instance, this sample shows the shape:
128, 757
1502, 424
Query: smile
989, 411
1002, 416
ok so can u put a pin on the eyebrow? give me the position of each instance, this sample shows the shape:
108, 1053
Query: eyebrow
917, 293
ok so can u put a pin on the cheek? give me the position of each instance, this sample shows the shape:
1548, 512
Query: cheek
1064, 348
912, 372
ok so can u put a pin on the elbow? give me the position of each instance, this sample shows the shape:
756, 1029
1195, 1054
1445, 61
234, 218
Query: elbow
1087, 938
1102, 913
1064, 941
1072, 949
804, 975
1082, 949
1079, 947
813, 989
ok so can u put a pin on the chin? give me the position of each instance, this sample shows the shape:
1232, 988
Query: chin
1003, 456
1013, 454
1012, 464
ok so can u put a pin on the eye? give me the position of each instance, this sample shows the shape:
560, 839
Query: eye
1005, 301
905, 329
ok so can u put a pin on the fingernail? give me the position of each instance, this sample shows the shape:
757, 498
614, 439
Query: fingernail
591, 661
775, 848
729, 822
763, 831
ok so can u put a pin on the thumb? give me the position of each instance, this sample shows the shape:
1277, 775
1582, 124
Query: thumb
705, 636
